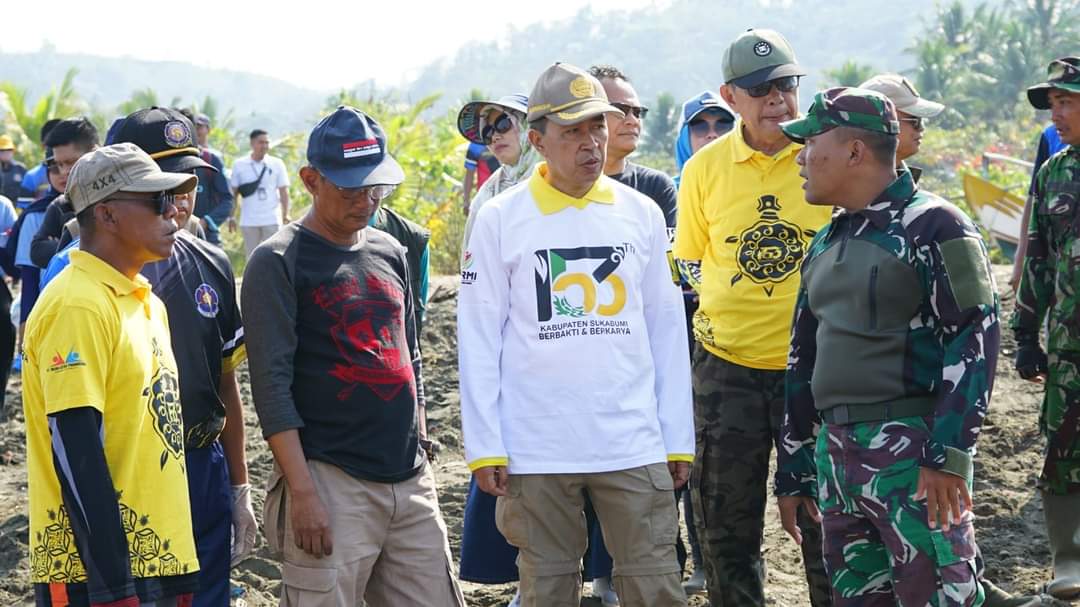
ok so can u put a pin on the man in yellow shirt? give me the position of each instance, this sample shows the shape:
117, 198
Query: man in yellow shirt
110, 522
743, 227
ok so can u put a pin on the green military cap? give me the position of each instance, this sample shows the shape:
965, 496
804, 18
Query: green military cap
566, 94
1064, 74
758, 56
844, 106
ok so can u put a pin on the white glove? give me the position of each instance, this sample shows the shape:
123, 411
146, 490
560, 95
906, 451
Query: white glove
244, 526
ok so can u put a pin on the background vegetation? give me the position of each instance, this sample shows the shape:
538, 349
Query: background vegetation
975, 58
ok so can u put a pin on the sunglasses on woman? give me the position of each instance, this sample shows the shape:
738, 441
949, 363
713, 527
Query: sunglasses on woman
700, 127
784, 85
501, 125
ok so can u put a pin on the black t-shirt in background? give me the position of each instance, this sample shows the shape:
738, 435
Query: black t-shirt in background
196, 285
654, 184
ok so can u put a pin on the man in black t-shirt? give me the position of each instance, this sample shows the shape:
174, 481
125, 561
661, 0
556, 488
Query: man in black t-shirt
336, 376
624, 132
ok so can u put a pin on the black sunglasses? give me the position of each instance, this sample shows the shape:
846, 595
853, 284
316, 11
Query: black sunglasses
639, 111
784, 85
500, 125
699, 127
916, 123
160, 203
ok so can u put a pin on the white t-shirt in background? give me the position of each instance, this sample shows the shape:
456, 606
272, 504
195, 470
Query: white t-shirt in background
263, 208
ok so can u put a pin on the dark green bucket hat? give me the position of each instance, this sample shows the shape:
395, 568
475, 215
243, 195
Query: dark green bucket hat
844, 106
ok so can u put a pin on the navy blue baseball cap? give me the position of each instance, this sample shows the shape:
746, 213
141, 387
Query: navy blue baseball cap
349, 148
706, 101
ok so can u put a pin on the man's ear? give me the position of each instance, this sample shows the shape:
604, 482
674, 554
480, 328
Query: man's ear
728, 95
537, 141
310, 177
857, 152
105, 218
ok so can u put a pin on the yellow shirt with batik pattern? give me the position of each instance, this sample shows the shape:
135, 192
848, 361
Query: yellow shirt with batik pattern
743, 215
97, 339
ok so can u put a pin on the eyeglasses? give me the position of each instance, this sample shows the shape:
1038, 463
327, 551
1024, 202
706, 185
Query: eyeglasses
374, 193
784, 85
916, 123
700, 127
638, 111
160, 202
500, 125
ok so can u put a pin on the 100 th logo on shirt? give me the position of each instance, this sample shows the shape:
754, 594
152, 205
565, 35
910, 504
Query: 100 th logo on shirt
580, 282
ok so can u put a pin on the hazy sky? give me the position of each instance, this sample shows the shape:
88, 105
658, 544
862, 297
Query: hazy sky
315, 43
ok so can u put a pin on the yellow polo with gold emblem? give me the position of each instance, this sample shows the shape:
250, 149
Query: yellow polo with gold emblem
97, 339
743, 215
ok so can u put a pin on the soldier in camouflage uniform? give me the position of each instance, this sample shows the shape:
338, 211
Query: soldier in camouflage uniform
1049, 286
912, 110
890, 370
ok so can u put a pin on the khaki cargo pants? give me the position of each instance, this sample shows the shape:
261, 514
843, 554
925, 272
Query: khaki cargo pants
390, 545
543, 516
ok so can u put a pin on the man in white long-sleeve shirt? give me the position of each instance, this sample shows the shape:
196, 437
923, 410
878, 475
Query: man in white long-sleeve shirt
573, 369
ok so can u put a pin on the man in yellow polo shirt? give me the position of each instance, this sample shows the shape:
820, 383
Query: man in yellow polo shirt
743, 227
110, 522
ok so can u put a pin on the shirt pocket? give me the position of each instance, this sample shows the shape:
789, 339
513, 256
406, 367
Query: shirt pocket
1058, 220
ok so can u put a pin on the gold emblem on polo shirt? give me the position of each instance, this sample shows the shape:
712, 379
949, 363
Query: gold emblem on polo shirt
580, 87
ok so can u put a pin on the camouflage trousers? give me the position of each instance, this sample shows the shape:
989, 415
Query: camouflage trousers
738, 413
1059, 422
879, 548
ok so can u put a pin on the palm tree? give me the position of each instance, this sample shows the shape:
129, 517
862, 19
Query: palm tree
661, 126
23, 122
851, 73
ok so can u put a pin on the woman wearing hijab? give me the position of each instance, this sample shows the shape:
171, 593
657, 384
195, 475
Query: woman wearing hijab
705, 118
486, 557
501, 126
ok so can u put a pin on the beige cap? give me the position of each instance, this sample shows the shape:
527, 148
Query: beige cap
121, 167
902, 93
566, 94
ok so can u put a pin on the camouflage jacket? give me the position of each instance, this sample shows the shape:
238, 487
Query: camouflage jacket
1051, 279
931, 315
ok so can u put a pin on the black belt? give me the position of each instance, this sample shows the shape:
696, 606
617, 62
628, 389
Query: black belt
911, 406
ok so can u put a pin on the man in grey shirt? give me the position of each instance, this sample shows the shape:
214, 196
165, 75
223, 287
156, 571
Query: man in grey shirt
351, 503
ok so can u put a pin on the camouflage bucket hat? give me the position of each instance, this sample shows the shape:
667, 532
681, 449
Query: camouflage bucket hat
844, 106
1064, 74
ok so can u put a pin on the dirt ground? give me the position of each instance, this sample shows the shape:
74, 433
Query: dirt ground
1009, 513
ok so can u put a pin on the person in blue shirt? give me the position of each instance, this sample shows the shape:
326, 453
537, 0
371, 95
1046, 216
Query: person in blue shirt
214, 202
7, 329
1049, 144
11, 170
705, 117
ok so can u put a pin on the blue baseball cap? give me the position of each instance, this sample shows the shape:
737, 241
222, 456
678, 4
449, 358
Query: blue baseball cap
470, 118
349, 148
704, 102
